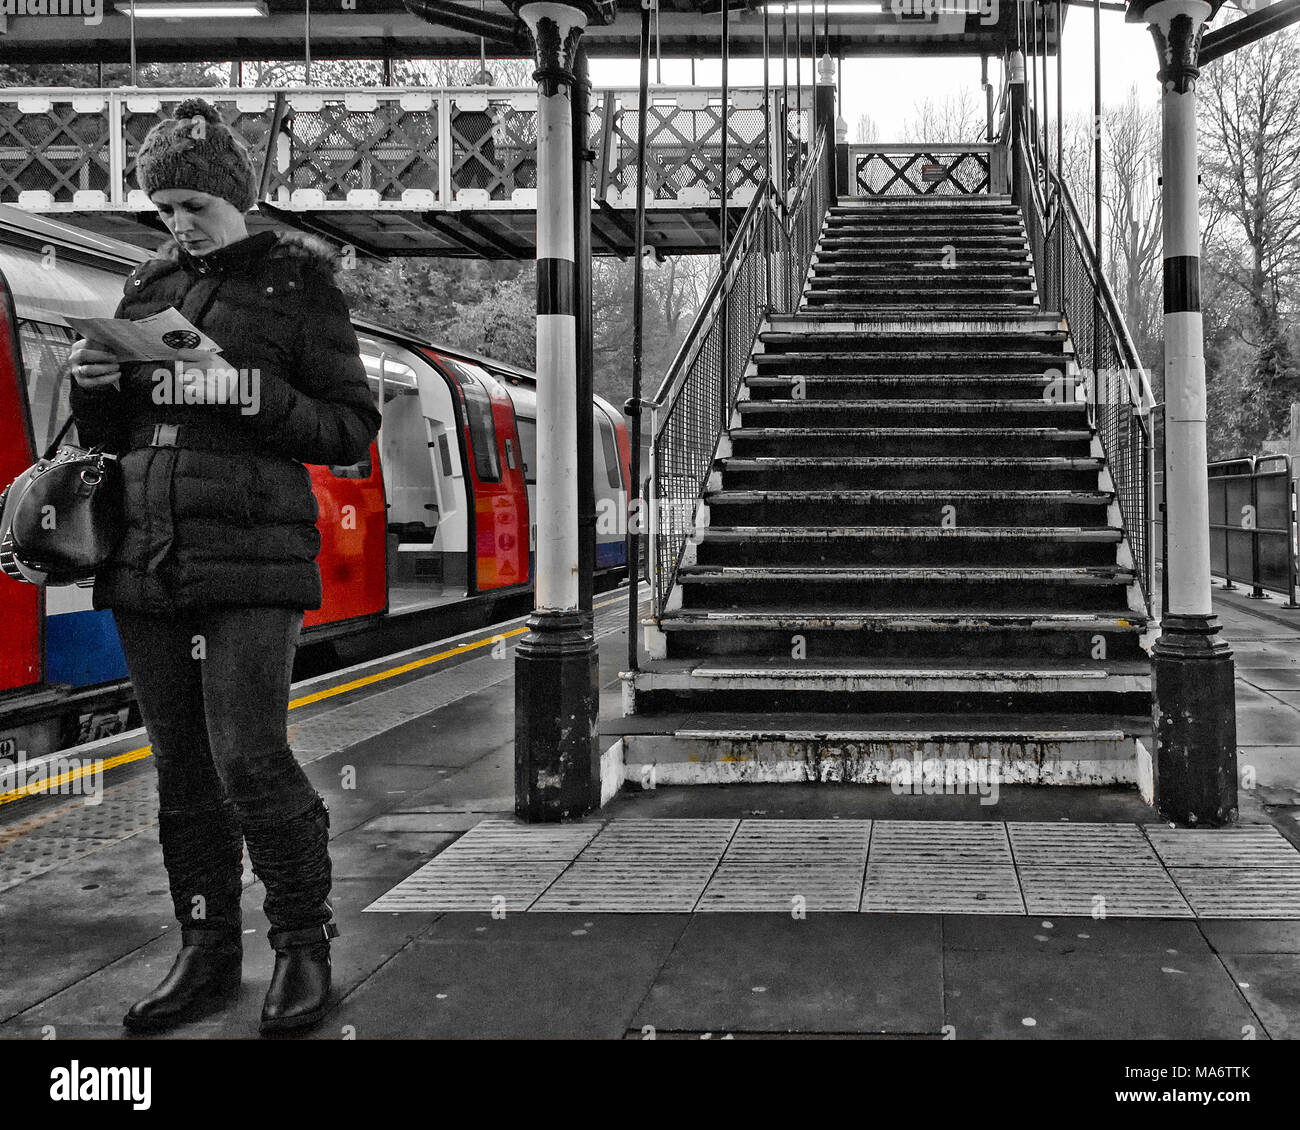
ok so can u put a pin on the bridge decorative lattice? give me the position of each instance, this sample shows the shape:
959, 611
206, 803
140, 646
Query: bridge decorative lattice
399, 148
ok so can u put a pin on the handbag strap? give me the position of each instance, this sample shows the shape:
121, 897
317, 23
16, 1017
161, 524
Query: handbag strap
54, 443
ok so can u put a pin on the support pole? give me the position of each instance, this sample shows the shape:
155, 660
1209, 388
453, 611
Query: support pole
768, 304
1096, 174
633, 406
723, 193
1192, 667
1060, 167
785, 108
583, 159
557, 761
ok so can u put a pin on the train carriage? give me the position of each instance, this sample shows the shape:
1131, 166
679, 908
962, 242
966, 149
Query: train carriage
439, 512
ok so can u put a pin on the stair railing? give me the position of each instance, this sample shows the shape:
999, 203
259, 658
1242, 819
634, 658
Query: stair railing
1115, 383
764, 270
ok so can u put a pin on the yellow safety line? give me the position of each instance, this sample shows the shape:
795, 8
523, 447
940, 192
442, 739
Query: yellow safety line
44, 785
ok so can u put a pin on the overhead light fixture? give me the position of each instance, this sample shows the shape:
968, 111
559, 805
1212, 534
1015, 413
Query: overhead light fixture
199, 9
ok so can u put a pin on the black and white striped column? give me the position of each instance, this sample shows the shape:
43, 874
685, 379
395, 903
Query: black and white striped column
1195, 708
557, 760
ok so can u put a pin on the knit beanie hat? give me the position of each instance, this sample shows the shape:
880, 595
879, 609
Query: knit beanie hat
195, 149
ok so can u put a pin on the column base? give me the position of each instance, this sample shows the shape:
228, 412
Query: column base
557, 702
1195, 719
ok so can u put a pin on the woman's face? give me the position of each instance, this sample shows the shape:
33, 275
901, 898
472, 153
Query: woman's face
198, 221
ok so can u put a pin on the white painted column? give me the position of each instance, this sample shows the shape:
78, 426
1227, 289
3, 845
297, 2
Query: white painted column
553, 27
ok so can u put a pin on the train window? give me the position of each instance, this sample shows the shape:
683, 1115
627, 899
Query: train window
45, 349
482, 429
528, 446
613, 474
354, 471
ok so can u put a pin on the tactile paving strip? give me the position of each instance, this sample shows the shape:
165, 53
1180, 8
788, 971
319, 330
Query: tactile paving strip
940, 867
1250, 872
1097, 870
784, 866
1254, 846
939, 843
495, 865
924, 888
60, 835
642, 866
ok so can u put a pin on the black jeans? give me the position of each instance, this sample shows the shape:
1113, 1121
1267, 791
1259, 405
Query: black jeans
213, 689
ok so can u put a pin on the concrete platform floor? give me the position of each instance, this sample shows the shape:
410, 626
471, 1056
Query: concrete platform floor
85, 923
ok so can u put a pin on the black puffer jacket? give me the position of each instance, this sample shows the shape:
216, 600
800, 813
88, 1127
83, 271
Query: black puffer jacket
227, 516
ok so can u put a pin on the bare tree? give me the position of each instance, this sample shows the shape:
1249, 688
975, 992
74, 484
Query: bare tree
1251, 176
868, 130
958, 118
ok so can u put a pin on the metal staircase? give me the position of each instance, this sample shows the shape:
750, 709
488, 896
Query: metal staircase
909, 541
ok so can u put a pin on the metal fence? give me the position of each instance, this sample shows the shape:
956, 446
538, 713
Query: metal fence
1254, 531
389, 147
1112, 378
958, 169
764, 270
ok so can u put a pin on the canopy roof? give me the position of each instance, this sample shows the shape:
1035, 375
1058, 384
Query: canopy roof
378, 28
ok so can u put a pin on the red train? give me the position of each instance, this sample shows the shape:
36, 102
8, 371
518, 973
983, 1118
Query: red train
438, 515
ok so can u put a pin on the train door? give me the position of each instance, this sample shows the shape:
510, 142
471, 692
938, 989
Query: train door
500, 514
424, 481
610, 489
20, 605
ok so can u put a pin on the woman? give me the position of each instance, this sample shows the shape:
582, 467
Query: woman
218, 561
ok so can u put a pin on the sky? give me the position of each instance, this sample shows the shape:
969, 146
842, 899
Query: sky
888, 89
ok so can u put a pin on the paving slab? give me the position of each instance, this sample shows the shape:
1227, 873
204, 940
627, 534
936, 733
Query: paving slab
1271, 983
552, 977
825, 973
1062, 934
996, 994
1245, 936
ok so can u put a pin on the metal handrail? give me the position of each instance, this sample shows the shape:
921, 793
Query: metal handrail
1062, 249
694, 402
744, 232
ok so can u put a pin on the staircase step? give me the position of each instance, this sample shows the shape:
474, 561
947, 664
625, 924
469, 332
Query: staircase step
846, 388
879, 362
724, 747
1075, 589
913, 508
1067, 413
748, 441
898, 546
923, 472
1022, 634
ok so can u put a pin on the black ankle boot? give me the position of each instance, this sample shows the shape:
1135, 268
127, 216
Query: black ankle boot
300, 984
203, 980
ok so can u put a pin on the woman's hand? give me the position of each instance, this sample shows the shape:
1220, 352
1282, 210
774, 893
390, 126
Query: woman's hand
92, 366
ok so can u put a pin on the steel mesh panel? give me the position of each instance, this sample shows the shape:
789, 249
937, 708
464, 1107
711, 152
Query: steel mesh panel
684, 149
493, 148
1068, 283
337, 149
710, 369
59, 151
958, 173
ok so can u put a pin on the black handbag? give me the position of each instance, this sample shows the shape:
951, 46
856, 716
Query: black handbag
61, 519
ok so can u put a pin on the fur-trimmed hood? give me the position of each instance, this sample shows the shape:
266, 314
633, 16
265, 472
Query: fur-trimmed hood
308, 251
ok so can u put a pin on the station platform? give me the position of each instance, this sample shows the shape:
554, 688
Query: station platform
685, 912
